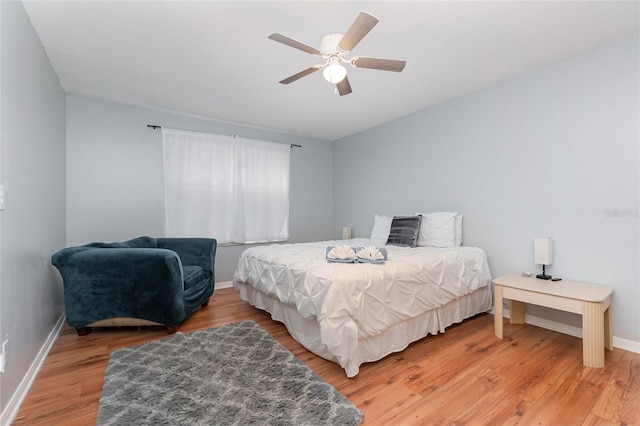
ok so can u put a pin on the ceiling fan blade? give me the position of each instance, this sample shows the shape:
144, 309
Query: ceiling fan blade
379, 64
301, 74
294, 43
360, 27
344, 88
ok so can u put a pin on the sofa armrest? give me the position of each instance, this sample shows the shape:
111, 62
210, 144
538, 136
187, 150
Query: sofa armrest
102, 283
192, 251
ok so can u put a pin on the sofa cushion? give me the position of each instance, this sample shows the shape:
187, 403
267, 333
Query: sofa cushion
141, 242
193, 275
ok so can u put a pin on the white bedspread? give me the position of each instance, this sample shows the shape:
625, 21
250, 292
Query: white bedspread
352, 301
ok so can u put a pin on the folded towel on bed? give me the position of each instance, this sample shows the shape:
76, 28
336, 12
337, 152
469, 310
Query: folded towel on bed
341, 254
346, 254
371, 254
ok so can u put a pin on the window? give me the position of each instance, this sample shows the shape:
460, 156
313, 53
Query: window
225, 187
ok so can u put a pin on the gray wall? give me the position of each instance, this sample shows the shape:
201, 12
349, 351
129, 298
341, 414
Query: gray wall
550, 153
32, 226
114, 176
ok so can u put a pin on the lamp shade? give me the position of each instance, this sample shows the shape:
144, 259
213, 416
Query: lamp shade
346, 232
543, 250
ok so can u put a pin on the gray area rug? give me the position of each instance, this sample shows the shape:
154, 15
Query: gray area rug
236, 374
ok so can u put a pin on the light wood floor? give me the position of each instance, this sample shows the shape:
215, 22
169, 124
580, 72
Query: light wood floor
463, 377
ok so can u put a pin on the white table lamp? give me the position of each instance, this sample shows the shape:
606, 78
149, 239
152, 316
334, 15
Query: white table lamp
543, 254
346, 232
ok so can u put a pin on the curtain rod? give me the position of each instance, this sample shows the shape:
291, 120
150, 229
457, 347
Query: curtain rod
154, 127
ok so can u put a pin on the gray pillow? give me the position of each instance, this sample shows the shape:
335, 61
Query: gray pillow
404, 231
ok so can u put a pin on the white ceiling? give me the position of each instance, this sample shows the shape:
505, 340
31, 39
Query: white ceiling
213, 59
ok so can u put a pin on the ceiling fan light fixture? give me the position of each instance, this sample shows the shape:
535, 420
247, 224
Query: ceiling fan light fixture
334, 73
334, 48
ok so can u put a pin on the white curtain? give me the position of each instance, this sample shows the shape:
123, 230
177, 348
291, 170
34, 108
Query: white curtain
225, 187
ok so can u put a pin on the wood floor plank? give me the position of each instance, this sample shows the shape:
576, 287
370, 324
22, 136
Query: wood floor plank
465, 376
574, 389
627, 411
440, 368
383, 401
445, 404
538, 370
593, 420
497, 407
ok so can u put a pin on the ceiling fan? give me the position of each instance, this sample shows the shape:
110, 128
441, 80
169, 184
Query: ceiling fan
334, 48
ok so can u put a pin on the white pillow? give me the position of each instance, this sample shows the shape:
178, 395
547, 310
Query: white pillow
381, 229
438, 229
458, 227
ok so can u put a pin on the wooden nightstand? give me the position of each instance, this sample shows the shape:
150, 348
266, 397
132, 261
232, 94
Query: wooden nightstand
592, 301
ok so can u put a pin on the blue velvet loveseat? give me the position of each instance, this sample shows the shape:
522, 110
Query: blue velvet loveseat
144, 281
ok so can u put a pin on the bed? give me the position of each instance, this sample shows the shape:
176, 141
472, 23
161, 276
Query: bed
357, 313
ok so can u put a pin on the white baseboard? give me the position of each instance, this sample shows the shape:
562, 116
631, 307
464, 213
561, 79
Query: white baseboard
224, 284
626, 344
618, 342
11, 410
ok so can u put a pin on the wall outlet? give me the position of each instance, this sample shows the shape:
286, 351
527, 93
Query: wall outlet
3, 356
